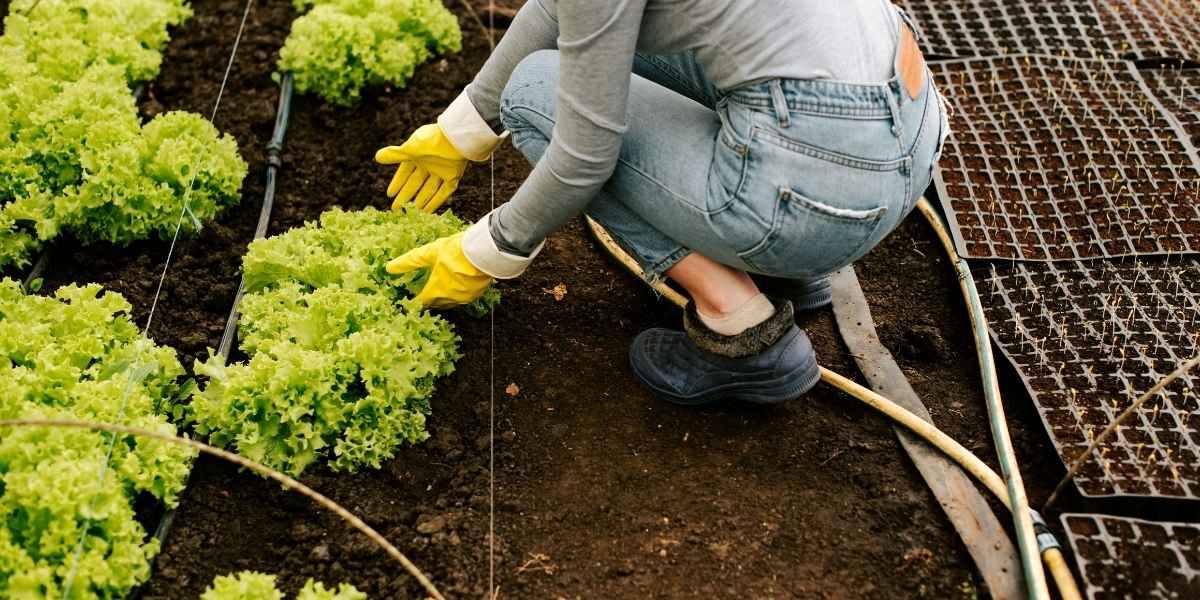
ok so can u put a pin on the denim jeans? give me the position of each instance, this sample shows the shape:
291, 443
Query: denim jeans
789, 178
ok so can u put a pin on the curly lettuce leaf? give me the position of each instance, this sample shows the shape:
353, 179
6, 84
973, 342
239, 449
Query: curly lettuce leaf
341, 46
78, 356
315, 590
350, 249
65, 37
74, 155
246, 585
333, 374
342, 360
251, 585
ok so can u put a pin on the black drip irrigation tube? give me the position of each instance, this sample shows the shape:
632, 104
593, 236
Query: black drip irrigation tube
39, 267
274, 162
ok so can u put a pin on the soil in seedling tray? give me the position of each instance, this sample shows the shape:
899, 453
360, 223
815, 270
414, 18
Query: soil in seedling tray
601, 490
971, 28
1121, 558
1089, 338
1055, 158
1149, 30
1178, 90
1152, 29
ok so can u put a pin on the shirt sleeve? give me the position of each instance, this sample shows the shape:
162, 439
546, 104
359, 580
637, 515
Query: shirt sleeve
596, 42
534, 28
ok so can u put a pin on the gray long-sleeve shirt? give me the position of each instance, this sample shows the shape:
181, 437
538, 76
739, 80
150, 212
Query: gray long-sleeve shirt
735, 41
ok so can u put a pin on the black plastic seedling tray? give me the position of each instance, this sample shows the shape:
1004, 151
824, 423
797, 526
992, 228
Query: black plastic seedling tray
1152, 30
1120, 558
1146, 30
1087, 339
974, 28
1178, 90
1056, 158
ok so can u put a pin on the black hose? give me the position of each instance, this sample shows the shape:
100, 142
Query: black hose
274, 162
274, 148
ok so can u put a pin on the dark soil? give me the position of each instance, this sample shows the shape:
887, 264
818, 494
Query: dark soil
601, 490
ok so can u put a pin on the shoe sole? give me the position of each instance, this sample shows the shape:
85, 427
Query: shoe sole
814, 301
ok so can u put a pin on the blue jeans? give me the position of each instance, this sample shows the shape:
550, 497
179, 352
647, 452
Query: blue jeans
789, 178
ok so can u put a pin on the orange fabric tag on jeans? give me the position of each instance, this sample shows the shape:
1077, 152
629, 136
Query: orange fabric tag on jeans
912, 64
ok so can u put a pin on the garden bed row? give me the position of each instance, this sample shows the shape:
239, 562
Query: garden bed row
601, 490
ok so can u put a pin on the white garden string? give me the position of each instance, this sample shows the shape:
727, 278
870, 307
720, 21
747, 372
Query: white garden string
136, 371
493, 592
489, 30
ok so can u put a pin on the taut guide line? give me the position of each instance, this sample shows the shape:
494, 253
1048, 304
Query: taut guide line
136, 370
493, 591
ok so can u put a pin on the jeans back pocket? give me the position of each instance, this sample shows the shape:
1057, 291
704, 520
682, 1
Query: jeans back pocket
809, 238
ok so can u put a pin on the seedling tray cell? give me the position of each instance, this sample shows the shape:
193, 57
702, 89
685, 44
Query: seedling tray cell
1120, 558
1152, 29
1178, 90
974, 28
1057, 158
1088, 338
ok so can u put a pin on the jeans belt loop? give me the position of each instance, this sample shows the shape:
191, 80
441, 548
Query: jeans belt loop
895, 87
780, 104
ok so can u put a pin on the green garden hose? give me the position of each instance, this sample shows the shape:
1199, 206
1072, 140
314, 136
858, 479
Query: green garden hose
1027, 536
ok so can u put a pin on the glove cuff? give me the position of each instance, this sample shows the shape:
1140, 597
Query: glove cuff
467, 131
482, 252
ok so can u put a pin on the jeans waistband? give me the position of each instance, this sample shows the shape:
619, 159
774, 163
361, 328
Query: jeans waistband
833, 96
818, 95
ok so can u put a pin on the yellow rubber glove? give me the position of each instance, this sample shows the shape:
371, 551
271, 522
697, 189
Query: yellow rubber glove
429, 168
453, 280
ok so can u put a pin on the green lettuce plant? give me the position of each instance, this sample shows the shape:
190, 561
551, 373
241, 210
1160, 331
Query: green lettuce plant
333, 373
250, 585
62, 38
78, 356
74, 155
340, 46
350, 249
342, 362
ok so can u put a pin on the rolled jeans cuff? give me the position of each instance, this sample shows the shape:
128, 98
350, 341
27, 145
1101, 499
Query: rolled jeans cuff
658, 270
